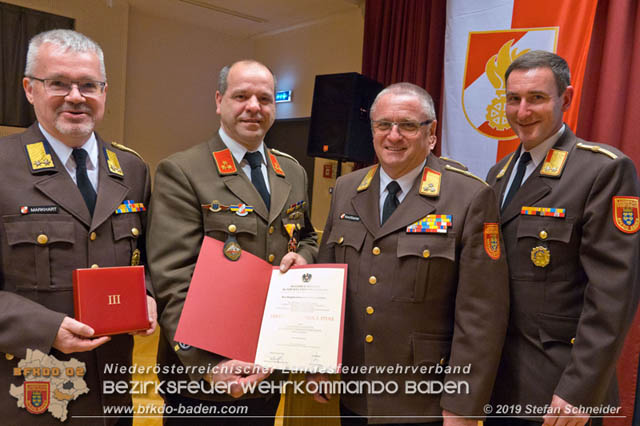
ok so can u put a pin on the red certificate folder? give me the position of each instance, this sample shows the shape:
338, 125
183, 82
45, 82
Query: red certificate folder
225, 303
111, 300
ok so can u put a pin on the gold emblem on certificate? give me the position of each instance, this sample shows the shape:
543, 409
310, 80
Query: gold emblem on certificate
540, 256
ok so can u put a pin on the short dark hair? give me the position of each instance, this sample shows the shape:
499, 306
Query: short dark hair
543, 59
224, 74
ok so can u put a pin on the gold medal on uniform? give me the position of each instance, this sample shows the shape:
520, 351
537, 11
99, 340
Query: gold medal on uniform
293, 241
232, 249
540, 256
135, 257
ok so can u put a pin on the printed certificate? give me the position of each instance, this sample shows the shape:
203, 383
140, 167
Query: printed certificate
249, 311
302, 322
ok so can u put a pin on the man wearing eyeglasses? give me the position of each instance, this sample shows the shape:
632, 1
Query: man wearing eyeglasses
427, 297
62, 185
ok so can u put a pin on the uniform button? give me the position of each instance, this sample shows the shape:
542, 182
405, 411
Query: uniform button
135, 232
8, 356
369, 338
271, 258
94, 266
232, 228
93, 236
271, 229
426, 253
42, 239
573, 340
340, 240
543, 235
442, 361
372, 280
369, 310
376, 251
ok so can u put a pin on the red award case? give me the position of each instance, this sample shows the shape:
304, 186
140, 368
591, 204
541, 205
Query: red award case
111, 300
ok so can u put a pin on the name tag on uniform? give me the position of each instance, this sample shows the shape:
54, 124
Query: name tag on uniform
38, 209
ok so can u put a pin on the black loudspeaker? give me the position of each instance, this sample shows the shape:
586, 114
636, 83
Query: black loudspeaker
340, 127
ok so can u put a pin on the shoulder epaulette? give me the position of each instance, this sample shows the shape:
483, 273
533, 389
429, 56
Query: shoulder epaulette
451, 160
284, 154
464, 172
126, 149
598, 149
506, 166
366, 180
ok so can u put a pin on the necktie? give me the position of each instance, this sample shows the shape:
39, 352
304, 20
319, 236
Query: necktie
255, 161
517, 180
391, 202
82, 179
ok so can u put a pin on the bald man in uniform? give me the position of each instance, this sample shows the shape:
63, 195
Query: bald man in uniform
234, 189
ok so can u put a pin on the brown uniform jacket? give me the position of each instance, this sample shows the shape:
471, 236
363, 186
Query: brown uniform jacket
178, 222
568, 318
419, 299
36, 277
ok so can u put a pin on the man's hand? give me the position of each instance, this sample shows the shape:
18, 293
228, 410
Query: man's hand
74, 336
152, 310
290, 259
236, 374
319, 379
564, 414
451, 419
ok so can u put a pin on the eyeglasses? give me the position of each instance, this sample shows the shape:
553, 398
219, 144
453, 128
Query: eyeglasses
405, 128
62, 86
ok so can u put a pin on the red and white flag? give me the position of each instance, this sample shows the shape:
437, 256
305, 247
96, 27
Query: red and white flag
482, 39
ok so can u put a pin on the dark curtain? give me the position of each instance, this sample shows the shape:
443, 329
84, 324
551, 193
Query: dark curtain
17, 26
404, 41
610, 104
609, 113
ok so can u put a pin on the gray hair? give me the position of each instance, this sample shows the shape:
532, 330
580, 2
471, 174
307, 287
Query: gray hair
408, 89
66, 40
224, 74
543, 59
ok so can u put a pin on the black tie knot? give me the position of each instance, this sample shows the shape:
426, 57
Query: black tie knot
254, 159
525, 158
80, 156
393, 187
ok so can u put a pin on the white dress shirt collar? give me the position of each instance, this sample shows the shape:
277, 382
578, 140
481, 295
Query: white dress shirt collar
64, 151
238, 150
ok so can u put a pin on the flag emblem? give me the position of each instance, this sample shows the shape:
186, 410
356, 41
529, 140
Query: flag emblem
36, 397
626, 214
484, 88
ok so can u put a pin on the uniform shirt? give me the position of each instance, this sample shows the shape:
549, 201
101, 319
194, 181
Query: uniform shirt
238, 151
64, 151
405, 182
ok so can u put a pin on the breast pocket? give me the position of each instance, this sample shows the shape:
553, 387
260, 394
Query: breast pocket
221, 224
127, 230
424, 260
544, 249
346, 240
34, 247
